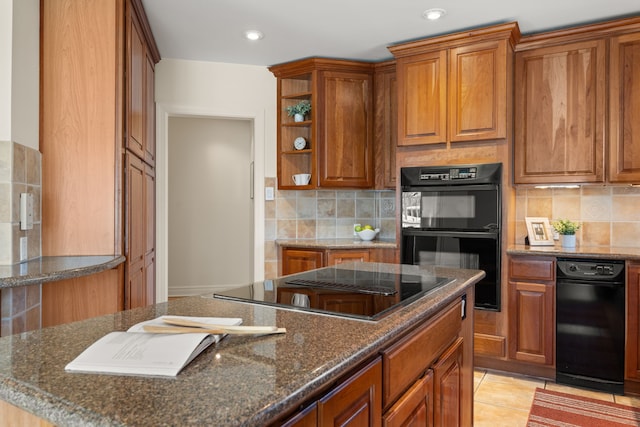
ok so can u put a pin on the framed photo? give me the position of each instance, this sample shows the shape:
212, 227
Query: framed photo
539, 231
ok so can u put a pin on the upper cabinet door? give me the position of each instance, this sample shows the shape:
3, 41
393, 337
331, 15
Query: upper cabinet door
478, 91
422, 98
624, 109
346, 130
560, 113
136, 65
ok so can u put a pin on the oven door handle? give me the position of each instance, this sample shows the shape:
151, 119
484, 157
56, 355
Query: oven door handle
449, 233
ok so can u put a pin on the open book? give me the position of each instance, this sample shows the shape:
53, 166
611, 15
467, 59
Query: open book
136, 352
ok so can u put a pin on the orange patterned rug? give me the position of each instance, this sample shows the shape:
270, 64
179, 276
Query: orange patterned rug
552, 408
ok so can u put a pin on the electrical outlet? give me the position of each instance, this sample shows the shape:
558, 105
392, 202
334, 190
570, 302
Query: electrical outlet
24, 254
354, 229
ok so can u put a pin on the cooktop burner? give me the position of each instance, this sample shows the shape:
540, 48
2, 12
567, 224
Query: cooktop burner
367, 291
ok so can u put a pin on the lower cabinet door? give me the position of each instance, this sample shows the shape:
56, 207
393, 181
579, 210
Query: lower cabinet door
448, 386
415, 407
308, 417
357, 401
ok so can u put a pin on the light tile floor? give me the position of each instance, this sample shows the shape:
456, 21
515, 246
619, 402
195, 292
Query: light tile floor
502, 399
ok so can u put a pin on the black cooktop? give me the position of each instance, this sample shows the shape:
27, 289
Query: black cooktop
367, 291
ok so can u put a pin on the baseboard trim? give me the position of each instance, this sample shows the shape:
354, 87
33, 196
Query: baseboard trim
189, 291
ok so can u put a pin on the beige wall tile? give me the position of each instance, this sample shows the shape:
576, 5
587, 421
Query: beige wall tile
306, 208
306, 229
5, 161
566, 207
286, 229
5, 202
326, 208
596, 208
19, 166
540, 207
326, 228
625, 208
286, 208
596, 234
346, 208
365, 208
625, 234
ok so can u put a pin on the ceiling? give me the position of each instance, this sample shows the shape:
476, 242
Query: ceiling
212, 30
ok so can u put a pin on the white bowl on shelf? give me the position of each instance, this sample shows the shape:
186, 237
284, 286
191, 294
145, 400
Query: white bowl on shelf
368, 235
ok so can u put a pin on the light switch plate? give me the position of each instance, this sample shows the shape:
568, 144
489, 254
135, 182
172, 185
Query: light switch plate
268, 193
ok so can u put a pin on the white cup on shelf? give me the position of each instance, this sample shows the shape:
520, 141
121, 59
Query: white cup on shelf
301, 178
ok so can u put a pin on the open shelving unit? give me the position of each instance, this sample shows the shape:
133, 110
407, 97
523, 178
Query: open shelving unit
291, 90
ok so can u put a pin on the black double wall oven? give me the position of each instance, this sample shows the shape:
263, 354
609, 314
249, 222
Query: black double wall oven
451, 216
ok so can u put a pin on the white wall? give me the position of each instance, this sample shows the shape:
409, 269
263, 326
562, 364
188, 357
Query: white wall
19, 71
194, 88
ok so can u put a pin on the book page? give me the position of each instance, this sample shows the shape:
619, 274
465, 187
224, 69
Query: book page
136, 352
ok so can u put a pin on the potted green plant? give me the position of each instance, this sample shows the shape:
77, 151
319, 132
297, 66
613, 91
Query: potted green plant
567, 231
299, 110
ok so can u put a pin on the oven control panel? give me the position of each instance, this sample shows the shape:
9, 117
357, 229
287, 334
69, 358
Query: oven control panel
448, 174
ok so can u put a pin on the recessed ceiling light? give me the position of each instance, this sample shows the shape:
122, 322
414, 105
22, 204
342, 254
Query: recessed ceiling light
253, 35
433, 14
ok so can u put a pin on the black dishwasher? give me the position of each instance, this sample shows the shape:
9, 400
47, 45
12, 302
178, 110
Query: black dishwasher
590, 325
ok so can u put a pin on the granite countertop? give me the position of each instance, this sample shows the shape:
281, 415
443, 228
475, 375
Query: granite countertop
239, 381
595, 252
348, 243
52, 268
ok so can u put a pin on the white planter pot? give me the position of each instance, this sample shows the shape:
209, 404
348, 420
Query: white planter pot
568, 240
298, 118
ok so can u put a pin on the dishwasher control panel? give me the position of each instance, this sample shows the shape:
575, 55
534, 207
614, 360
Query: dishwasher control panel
607, 270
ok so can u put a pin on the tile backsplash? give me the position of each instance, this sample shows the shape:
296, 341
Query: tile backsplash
323, 214
610, 215
20, 172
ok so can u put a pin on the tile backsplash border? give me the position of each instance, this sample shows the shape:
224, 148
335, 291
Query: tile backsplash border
20, 172
609, 214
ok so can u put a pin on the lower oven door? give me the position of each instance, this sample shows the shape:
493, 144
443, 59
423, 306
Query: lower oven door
473, 250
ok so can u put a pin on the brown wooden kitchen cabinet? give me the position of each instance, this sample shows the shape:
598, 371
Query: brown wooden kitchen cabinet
447, 379
435, 350
624, 108
576, 105
632, 352
532, 309
339, 129
455, 88
90, 125
560, 98
415, 407
297, 260
385, 124
420, 379
140, 232
356, 401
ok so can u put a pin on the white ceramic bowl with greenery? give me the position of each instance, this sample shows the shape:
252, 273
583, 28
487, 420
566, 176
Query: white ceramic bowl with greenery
368, 235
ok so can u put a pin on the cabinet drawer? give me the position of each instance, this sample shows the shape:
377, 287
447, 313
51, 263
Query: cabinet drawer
404, 362
532, 268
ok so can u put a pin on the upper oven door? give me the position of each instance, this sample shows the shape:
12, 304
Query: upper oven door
465, 207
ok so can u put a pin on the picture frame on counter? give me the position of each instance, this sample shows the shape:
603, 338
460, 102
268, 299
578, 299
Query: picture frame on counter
539, 231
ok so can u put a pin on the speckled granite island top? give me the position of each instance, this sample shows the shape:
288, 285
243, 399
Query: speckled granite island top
352, 243
239, 381
594, 252
52, 268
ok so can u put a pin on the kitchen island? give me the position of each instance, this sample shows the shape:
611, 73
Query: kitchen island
239, 381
